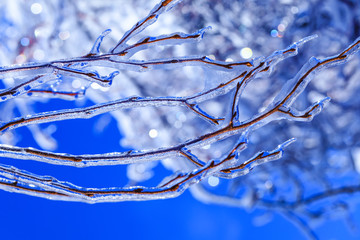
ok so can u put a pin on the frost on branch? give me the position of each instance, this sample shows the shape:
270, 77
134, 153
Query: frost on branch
202, 117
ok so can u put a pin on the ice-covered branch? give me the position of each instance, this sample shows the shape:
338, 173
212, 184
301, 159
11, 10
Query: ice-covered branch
48, 187
140, 156
189, 102
164, 6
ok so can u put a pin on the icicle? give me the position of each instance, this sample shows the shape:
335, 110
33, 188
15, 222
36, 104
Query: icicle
96, 48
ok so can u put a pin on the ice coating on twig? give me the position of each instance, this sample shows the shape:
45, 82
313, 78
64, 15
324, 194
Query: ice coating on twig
306, 115
258, 159
168, 39
294, 87
164, 6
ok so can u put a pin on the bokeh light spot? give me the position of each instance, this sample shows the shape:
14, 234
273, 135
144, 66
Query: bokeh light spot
246, 53
36, 8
